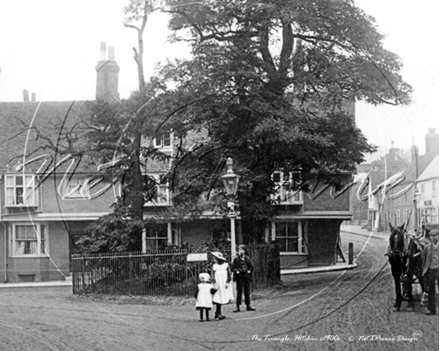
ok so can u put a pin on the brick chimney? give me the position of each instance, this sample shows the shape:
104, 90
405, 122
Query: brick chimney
431, 141
107, 75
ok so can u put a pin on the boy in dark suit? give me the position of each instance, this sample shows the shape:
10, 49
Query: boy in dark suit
242, 269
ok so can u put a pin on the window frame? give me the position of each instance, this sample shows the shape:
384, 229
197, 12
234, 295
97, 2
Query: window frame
24, 186
157, 231
164, 140
42, 241
300, 238
283, 196
162, 192
82, 191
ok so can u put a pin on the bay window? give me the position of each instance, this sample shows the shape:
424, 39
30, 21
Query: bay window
20, 190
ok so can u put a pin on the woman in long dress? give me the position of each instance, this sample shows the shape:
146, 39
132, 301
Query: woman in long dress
221, 273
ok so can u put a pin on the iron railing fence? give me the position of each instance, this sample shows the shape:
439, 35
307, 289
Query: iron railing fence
159, 272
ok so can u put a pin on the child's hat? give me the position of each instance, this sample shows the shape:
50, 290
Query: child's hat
204, 277
218, 255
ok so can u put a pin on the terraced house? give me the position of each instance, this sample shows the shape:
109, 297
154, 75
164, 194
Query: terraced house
48, 199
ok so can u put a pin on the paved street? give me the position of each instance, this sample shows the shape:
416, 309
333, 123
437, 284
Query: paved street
320, 311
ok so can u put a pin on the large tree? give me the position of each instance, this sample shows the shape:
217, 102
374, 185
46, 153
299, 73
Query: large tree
270, 83
274, 84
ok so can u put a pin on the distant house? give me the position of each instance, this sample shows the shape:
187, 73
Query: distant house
368, 200
390, 195
427, 196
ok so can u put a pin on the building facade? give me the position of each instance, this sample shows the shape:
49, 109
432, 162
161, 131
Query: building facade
426, 199
386, 191
47, 200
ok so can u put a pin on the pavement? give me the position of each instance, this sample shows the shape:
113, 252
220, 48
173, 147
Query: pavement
357, 230
339, 266
66, 282
352, 229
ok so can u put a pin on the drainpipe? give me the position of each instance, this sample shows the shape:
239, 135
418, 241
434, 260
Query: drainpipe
6, 253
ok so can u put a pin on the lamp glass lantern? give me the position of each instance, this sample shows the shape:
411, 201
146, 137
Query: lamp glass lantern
230, 179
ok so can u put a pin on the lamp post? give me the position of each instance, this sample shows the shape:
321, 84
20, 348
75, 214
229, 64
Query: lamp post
416, 209
230, 181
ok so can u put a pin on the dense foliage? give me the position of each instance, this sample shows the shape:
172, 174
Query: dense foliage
270, 83
274, 85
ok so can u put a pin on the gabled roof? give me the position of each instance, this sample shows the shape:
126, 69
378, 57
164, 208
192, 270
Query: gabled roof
392, 163
383, 169
418, 166
431, 171
26, 127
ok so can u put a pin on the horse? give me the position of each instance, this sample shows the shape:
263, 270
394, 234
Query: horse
404, 256
414, 268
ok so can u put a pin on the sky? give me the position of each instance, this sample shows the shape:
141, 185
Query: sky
51, 47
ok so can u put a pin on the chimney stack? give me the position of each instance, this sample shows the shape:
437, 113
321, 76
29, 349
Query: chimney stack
34, 97
25, 95
107, 75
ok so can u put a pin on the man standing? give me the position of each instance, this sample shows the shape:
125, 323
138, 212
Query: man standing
242, 269
430, 270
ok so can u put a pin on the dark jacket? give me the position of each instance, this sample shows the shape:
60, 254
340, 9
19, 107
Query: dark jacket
427, 257
242, 268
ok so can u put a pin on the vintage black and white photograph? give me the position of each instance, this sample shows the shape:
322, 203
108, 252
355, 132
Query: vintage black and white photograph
219, 175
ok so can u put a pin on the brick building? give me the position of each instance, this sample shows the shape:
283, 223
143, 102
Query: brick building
47, 200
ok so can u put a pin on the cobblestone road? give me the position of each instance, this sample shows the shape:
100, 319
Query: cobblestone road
349, 310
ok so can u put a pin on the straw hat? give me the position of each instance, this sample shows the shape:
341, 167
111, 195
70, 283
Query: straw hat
204, 277
218, 255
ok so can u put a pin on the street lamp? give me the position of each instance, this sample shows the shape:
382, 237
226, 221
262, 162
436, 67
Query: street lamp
416, 198
230, 181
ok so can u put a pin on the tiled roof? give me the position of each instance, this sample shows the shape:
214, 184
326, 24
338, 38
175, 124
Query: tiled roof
389, 166
431, 171
24, 126
418, 166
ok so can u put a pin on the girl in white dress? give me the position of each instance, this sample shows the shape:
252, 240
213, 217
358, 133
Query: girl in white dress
204, 295
221, 278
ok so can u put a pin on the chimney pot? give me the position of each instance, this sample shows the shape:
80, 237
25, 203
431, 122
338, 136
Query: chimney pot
103, 51
25, 95
111, 53
34, 97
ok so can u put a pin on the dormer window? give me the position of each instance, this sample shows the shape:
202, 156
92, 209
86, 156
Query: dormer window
20, 190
